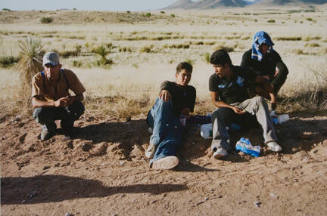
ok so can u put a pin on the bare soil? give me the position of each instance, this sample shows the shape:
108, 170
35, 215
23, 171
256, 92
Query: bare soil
103, 172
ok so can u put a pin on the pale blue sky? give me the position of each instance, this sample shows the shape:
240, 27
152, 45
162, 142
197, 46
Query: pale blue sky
113, 5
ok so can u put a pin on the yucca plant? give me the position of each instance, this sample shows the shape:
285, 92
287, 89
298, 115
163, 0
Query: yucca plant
29, 64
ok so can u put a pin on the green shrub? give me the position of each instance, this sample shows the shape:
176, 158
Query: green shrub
148, 14
162, 12
173, 15
207, 57
7, 61
289, 38
46, 20
6, 9
271, 21
77, 63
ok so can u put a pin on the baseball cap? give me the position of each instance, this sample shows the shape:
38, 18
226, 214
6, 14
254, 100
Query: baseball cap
51, 58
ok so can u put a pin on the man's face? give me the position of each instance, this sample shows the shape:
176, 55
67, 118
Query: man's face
183, 77
221, 70
264, 48
51, 72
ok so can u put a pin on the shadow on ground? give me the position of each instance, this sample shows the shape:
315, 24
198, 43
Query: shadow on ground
56, 188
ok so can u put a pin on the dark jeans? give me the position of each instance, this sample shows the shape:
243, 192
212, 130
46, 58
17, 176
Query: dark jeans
47, 115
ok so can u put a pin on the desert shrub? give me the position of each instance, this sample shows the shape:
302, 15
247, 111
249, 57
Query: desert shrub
102, 52
293, 38
46, 20
310, 19
125, 49
148, 14
190, 61
210, 43
162, 12
271, 21
147, 49
207, 57
77, 63
69, 53
7, 61
228, 49
6, 9
312, 45
173, 15
309, 38
128, 12
29, 64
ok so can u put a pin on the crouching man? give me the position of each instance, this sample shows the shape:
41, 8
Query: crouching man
175, 99
51, 99
228, 91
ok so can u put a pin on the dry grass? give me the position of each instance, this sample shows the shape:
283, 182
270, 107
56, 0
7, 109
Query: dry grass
146, 48
28, 65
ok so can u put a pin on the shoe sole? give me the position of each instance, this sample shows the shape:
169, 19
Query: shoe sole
165, 163
218, 156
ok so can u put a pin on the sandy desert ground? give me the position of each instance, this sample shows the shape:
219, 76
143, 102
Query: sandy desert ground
103, 170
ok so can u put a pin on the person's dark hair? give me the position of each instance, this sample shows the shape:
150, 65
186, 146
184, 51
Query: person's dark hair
220, 57
184, 65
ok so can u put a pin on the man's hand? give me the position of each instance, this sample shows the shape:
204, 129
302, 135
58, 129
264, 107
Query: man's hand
165, 95
63, 102
262, 79
238, 110
186, 112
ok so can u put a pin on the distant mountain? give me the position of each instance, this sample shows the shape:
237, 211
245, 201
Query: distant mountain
209, 4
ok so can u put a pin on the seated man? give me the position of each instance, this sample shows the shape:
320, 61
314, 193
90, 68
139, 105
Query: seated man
228, 91
268, 65
51, 99
175, 99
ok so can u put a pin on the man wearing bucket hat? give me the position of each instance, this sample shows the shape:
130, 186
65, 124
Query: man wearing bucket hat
268, 65
51, 98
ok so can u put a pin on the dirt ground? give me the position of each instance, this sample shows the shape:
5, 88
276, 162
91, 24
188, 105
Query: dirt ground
103, 172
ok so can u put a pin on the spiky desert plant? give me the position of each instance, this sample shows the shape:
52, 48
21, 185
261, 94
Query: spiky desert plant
29, 64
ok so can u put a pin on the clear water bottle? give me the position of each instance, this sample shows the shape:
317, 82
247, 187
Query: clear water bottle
244, 145
206, 131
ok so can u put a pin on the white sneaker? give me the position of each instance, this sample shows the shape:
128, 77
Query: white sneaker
219, 152
217, 147
274, 146
149, 153
165, 163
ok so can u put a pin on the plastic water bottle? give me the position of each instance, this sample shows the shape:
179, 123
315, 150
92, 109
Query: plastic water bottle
206, 131
244, 145
279, 119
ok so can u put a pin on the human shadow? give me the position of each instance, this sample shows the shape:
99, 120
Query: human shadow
127, 134
298, 134
187, 166
57, 188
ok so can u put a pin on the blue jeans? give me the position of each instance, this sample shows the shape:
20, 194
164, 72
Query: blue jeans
47, 115
167, 129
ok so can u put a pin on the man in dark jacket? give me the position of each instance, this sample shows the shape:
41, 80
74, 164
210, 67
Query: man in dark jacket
268, 65
175, 99
228, 91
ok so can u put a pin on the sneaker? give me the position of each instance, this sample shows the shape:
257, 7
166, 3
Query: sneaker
46, 134
165, 163
274, 146
149, 153
219, 152
219, 148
